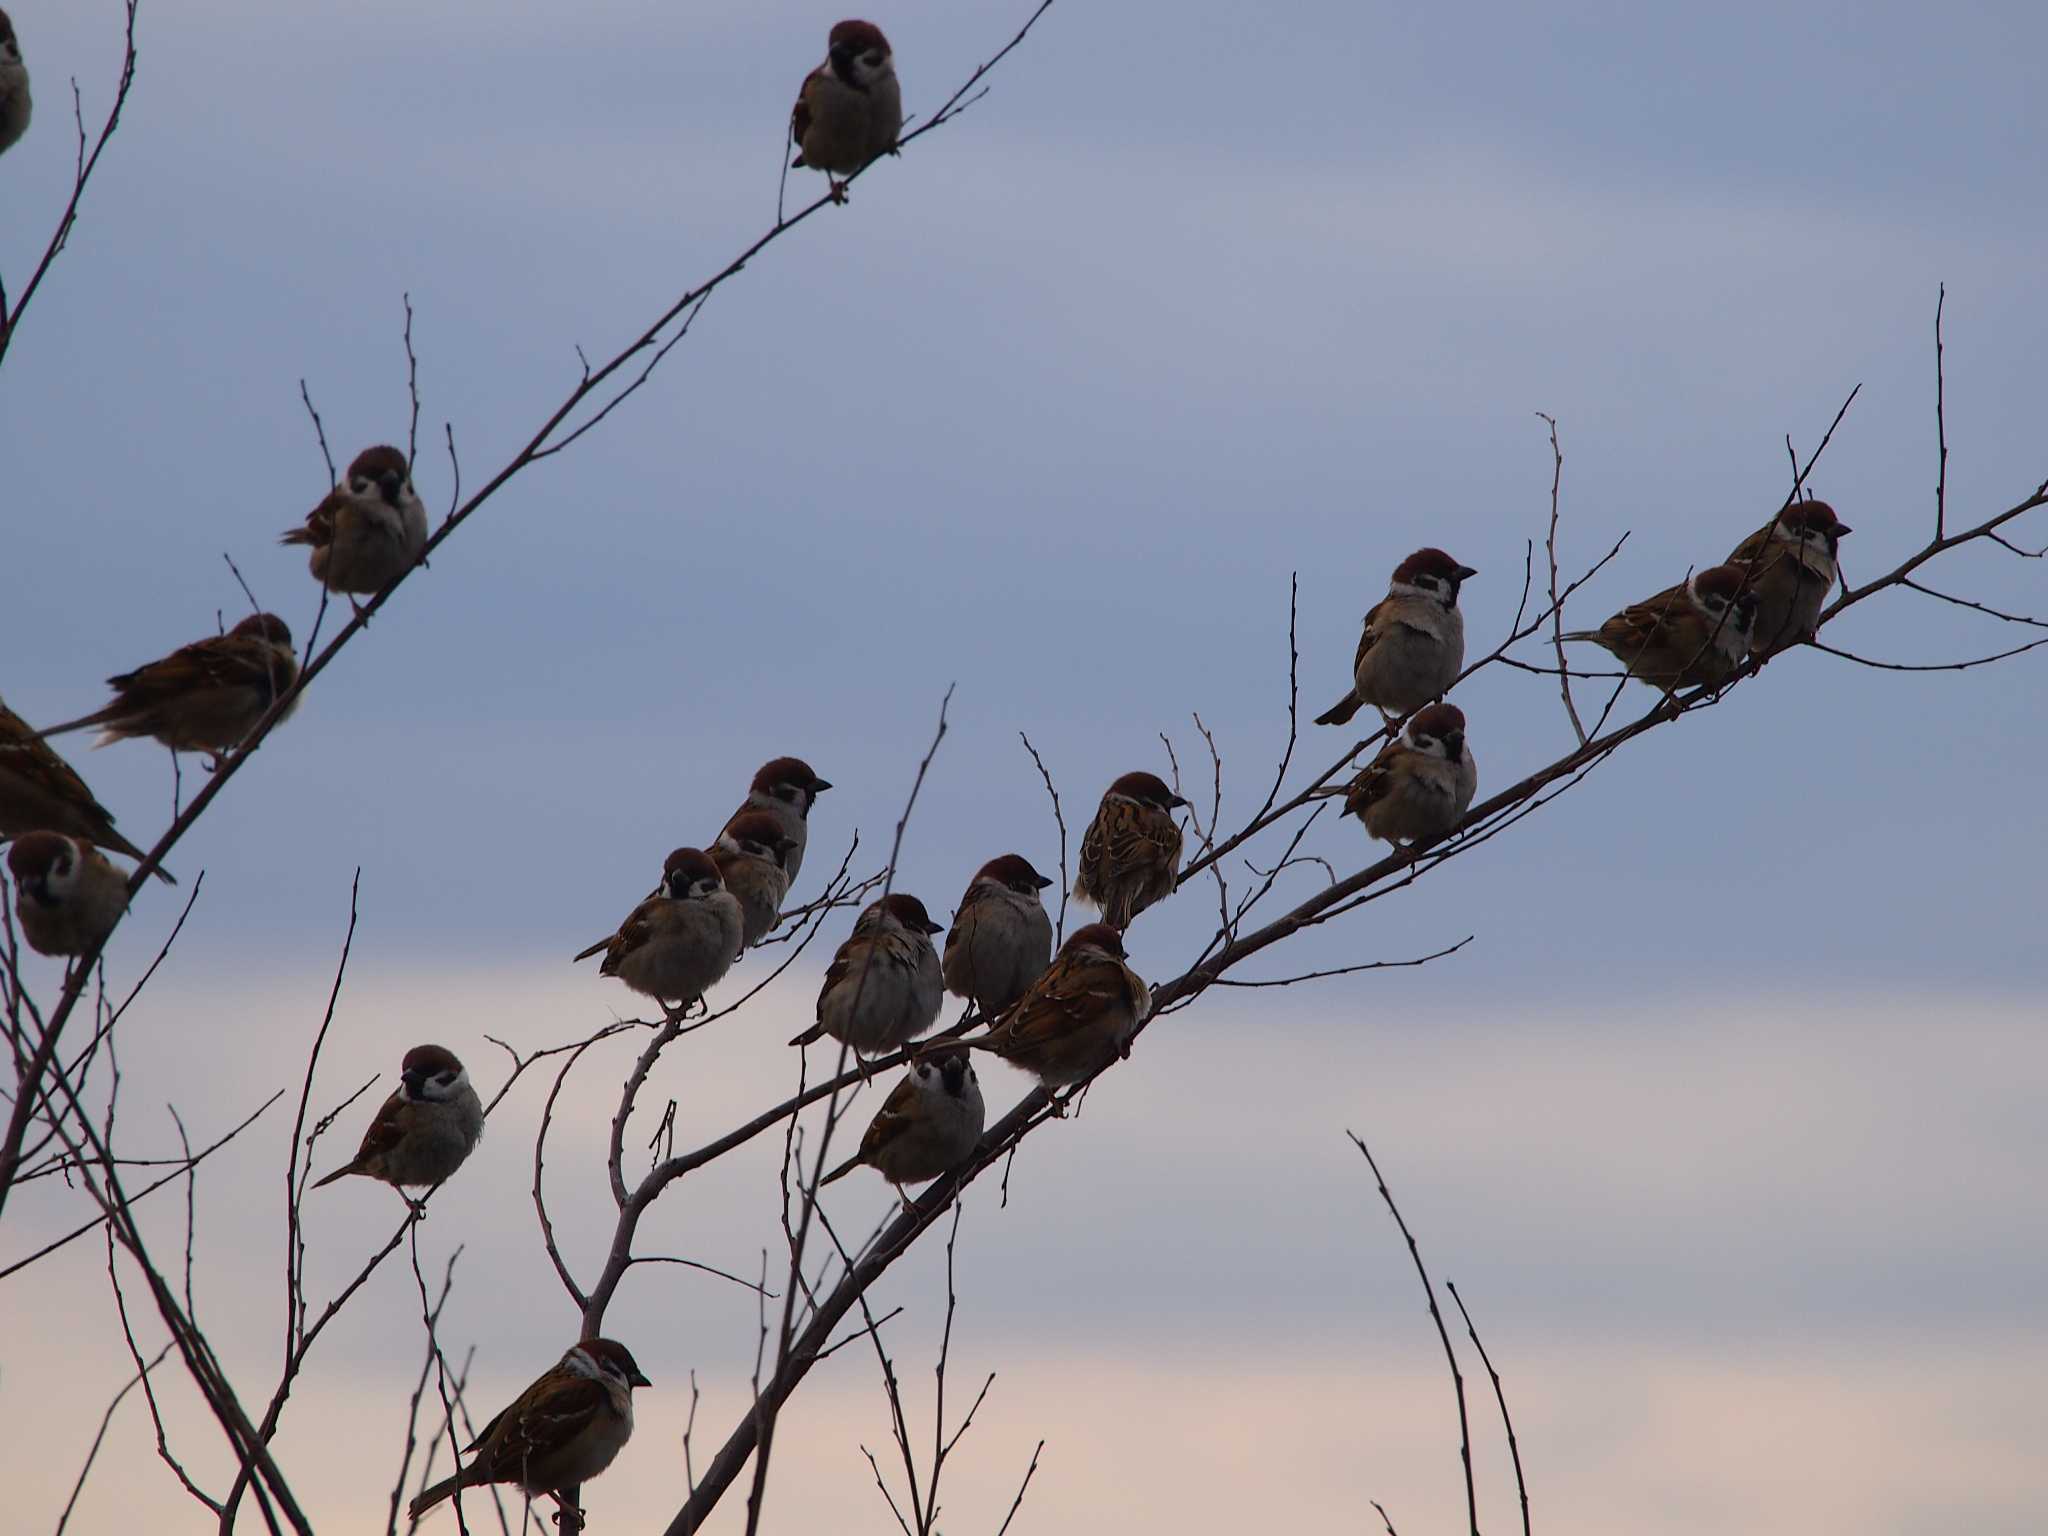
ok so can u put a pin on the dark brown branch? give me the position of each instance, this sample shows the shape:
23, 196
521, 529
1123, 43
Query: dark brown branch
81, 174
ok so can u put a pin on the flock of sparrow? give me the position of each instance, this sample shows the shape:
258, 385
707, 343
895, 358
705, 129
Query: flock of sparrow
1062, 1018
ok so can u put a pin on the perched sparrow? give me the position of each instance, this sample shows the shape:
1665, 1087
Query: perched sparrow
39, 792
749, 855
1413, 646
203, 697
14, 102
1001, 938
850, 108
563, 1430
67, 893
1420, 785
1131, 850
932, 1120
421, 1134
786, 789
369, 530
1690, 635
1079, 1016
1791, 564
679, 942
883, 987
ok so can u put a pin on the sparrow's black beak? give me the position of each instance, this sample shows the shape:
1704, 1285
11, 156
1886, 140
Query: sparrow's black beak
1176, 803
1842, 528
1044, 882
389, 484
1464, 573
934, 928
819, 786
1454, 745
414, 1082
638, 1380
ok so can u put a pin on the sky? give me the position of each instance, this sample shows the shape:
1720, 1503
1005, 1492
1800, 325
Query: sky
1726, 1122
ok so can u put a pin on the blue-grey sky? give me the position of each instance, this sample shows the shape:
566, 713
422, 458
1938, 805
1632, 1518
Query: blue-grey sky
1733, 1090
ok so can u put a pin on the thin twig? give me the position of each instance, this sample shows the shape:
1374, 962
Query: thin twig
1437, 1317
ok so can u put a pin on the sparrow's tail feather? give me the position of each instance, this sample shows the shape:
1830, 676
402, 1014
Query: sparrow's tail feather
120, 844
596, 948
97, 717
298, 535
1581, 634
810, 1036
339, 1173
840, 1172
429, 1497
1340, 713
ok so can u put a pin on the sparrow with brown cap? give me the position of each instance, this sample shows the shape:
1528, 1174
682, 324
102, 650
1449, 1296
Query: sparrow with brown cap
1413, 645
1131, 850
203, 697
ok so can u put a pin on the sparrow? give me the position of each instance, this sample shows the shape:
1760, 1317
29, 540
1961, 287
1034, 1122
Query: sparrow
679, 942
1413, 645
1001, 937
883, 986
930, 1123
67, 894
14, 102
203, 697
1079, 1016
423, 1132
563, 1430
39, 792
786, 789
1421, 784
850, 108
1791, 565
1690, 635
1131, 850
369, 530
749, 855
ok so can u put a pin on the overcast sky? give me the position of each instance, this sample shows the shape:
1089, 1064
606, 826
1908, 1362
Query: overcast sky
1727, 1122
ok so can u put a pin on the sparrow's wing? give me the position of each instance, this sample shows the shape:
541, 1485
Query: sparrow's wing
800, 116
28, 757
1134, 838
978, 895
220, 661
840, 968
1375, 783
1637, 625
1061, 1000
546, 1416
44, 776
635, 932
386, 1129
318, 528
1378, 620
891, 1120
1754, 546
